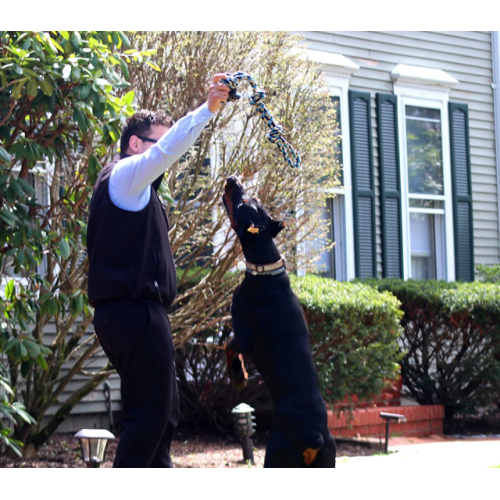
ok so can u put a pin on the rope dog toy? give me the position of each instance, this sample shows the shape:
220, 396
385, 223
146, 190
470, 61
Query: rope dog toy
275, 135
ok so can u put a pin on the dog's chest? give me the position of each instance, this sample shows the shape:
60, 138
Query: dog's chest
269, 315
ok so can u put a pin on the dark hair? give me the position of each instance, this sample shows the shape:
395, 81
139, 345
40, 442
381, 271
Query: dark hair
139, 124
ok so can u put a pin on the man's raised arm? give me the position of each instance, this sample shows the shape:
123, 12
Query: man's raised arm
132, 176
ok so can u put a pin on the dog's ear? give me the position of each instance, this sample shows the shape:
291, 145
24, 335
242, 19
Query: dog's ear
276, 227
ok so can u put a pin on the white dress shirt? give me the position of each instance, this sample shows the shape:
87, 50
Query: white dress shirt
131, 178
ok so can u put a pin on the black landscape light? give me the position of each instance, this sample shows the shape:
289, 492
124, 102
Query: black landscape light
390, 417
94, 443
244, 427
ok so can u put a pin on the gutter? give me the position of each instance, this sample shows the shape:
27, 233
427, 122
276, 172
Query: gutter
495, 38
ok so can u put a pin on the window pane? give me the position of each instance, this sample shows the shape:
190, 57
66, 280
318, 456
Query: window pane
425, 161
416, 112
337, 133
326, 264
423, 255
414, 203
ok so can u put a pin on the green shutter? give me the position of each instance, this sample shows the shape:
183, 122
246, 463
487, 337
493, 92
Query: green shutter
390, 185
462, 191
363, 184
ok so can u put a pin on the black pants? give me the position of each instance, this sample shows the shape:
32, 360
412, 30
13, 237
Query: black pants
136, 337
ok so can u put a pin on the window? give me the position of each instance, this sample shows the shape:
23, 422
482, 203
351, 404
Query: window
427, 201
333, 263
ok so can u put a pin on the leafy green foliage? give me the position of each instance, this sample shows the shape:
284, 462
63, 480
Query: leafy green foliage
488, 274
63, 98
451, 342
11, 412
354, 336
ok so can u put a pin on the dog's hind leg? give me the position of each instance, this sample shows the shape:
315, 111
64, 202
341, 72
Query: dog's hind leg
325, 458
235, 365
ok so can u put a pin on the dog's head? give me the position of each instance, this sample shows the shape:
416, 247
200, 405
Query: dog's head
249, 218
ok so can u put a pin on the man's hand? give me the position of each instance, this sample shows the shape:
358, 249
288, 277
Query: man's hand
218, 93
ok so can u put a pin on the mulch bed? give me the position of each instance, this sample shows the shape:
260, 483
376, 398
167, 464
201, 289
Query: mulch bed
188, 451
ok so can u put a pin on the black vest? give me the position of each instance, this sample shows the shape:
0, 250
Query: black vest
129, 252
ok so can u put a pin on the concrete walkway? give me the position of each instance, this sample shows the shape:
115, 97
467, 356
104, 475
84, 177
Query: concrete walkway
435, 452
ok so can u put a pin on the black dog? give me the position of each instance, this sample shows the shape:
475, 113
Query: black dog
270, 328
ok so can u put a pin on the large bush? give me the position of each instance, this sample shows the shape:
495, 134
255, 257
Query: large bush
451, 342
354, 336
63, 97
235, 143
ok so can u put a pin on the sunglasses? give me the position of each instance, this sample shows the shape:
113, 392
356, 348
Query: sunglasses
147, 139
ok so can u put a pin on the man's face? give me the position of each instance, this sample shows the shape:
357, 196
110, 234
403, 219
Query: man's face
138, 146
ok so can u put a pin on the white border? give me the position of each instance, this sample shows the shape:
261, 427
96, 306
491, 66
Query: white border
338, 70
414, 96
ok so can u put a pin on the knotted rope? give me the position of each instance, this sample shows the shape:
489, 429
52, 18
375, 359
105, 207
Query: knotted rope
275, 135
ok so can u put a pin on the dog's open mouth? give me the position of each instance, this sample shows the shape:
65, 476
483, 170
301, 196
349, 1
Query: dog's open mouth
228, 203
231, 188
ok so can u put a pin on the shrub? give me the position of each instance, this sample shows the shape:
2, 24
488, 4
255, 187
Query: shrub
354, 332
11, 412
62, 99
450, 342
235, 143
354, 336
488, 274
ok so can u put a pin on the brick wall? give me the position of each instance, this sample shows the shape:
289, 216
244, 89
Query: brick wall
422, 421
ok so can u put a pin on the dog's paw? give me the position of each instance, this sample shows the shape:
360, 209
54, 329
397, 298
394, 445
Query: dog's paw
239, 375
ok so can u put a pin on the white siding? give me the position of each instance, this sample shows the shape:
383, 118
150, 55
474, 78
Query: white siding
95, 402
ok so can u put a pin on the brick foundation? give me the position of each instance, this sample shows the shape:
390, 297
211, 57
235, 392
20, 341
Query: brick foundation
422, 421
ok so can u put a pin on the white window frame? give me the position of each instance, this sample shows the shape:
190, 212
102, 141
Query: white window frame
426, 88
338, 71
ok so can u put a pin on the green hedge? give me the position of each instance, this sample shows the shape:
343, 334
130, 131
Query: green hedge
488, 274
354, 336
451, 342
354, 332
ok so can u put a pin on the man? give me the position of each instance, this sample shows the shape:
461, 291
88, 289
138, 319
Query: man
132, 279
